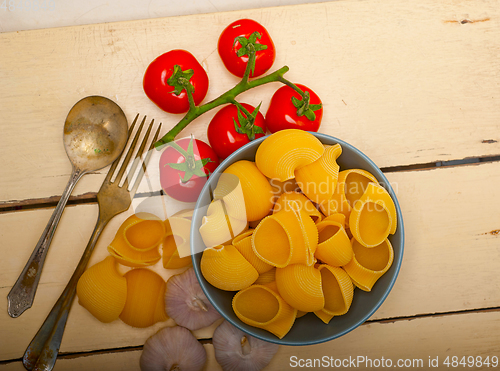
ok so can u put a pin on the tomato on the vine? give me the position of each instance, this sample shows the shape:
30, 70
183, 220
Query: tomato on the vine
237, 39
184, 168
231, 128
289, 110
168, 76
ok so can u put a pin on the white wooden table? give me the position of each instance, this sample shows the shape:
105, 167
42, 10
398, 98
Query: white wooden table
412, 85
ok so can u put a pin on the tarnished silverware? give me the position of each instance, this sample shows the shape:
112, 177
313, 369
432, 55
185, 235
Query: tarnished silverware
113, 199
95, 134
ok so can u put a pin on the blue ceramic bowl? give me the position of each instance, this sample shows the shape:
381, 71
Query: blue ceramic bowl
308, 329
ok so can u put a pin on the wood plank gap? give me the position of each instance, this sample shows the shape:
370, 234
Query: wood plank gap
441, 164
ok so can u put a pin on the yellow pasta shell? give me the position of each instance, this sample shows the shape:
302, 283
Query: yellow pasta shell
136, 241
318, 180
217, 227
176, 240
102, 290
369, 264
145, 298
280, 154
225, 268
303, 202
266, 277
336, 217
334, 247
337, 290
300, 286
257, 192
243, 244
229, 190
373, 216
262, 307
287, 237
351, 185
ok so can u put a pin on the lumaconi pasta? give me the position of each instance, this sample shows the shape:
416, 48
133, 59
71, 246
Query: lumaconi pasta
225, 268
296, 260
287, 237
337, 290
373, 217
262, 307
243, 244
257, 192
176, 243
102, 290
144, 305
334, 247
300, 286
282, 153
230, 191
136, 241
303, 202
318, 180
369, 263
350, 187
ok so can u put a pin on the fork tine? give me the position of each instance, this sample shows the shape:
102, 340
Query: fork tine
137, 158
130, 152
112, 169
142, 170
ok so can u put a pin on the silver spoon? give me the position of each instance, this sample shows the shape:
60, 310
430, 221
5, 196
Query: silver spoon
95, 134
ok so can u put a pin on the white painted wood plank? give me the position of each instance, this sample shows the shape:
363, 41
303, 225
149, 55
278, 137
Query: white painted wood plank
414, 341
450, 261
405, 82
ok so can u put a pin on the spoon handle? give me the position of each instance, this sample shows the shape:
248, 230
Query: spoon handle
22, 294
42, 352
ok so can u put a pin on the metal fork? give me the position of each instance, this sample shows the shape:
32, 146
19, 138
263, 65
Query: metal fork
112, 199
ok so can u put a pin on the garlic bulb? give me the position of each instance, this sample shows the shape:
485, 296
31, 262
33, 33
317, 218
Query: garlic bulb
235, 350
173, 348
186, 303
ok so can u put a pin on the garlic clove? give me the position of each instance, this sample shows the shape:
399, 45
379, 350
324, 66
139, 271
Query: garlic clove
173, 348
235, 350
186, 303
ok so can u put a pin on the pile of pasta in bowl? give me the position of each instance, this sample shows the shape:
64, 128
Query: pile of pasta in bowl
285, 232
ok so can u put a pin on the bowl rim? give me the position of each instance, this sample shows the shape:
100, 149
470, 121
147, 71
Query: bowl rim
397, 262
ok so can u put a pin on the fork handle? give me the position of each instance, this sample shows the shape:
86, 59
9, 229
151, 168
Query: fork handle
22, 294
42, 352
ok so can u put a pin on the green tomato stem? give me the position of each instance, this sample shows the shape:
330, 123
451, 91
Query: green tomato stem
243, 109
228, 97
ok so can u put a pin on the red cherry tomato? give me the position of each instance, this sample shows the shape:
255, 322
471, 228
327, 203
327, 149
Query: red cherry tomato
164, 89
287, 113
184, 168
233, 53
225, 137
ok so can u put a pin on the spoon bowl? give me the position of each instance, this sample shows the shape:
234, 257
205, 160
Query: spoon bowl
95, 134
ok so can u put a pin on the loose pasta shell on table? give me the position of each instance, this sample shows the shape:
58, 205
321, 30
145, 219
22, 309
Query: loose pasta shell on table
318, 180
262, 307
369, 263
217, 227
225, 268
304, 203
136, 241
334, 247
338, 292
373, 217
300, 286
266, 277
257, 191
351, 185
175, 245
144, 305
287, 237
102, 290
280, 154
243, 244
